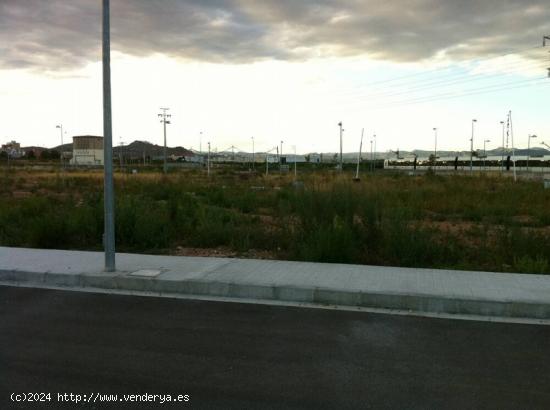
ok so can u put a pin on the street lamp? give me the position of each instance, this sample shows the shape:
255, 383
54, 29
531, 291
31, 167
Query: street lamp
281, 158
253, 155
435, 147
374, 155
295, 169
208, 161
61, 148
529, 149
340, 124
371, 166
485, 151
472, 147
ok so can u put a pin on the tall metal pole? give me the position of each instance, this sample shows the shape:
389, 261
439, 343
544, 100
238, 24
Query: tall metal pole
502, 152
435, 149
109, 195
374, 155
295, 169
208, 161
511, 130
253, 155
371, 167
529, 150
281, 159
340, 124
472, 147
61, 149
359, 155
485, 152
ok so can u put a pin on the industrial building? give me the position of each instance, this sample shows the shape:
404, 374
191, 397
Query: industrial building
87, 150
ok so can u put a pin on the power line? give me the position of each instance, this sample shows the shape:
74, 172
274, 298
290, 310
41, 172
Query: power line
475, 91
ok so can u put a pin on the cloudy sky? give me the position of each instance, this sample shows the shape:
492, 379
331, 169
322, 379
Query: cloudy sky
278, 70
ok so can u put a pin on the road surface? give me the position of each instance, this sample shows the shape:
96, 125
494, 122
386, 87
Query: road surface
245, 356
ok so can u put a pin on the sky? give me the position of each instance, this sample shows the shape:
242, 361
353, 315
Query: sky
278, 70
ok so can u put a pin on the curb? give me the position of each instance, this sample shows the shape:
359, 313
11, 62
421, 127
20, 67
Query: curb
421, 303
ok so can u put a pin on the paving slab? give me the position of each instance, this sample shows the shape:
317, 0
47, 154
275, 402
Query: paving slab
421, 290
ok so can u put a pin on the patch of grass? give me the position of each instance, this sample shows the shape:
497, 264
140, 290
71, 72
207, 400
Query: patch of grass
483, 223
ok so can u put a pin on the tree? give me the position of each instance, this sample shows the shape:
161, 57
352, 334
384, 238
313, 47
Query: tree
30, 155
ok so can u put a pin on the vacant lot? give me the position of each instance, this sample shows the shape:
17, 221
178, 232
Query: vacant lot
482, 223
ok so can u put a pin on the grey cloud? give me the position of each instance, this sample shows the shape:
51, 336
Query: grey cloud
59, 34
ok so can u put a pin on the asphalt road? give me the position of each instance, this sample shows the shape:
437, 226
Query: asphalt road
241, 356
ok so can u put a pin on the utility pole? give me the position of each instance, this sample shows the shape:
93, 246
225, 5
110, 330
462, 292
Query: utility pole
340, 124
109, 195
61, 148
502, 152
200, 145
164, 119
472, 147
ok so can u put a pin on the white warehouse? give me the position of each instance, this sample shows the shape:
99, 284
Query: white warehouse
87, 150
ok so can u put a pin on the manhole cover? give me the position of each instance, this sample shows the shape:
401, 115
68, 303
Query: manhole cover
149, 273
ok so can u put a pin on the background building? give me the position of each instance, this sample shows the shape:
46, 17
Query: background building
13, 149
87, 150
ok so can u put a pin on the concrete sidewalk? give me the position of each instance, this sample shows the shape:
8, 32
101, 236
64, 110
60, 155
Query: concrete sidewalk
418, 290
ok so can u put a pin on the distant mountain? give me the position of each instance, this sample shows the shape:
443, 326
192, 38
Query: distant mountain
137, 149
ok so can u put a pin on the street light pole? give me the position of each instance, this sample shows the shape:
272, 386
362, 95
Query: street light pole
281, 158
371, 167
253, 156
61, 148
485, 152
435, 149
208, 160
340, 124
359, 155
374, 155
109, 195
472, 147
295, 169
529, 149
